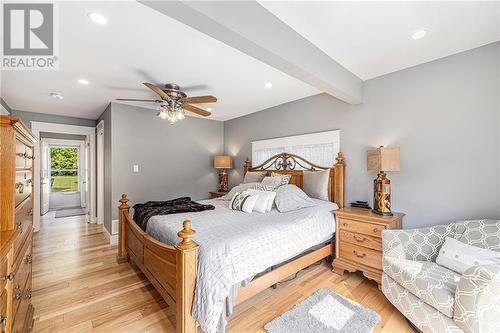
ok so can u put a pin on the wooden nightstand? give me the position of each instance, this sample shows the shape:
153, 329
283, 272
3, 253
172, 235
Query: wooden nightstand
214, 195
358, 240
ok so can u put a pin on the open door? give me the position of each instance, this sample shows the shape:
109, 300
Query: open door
44, 177
84, 174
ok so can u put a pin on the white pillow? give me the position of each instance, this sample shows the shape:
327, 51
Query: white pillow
315, 184
261, 203
254, 176
459, 256
243, 202
268, 196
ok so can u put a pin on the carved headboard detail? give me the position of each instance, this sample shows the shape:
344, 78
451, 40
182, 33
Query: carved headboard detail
287, 163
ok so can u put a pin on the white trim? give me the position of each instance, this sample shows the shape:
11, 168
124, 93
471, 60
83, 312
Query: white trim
4, 111
100, 171
114, 227
112, 239
36, 128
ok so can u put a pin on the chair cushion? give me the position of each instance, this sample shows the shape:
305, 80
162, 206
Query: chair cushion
480, 233
433, 284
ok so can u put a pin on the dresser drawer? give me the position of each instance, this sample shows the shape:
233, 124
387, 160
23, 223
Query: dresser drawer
19, 323
362, 255
361, 227
22, 269
3, 309
23, 186
20, 155
370, 242
4, 270
24, 223
29, 157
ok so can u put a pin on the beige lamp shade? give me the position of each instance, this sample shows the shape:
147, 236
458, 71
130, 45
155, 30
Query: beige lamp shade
383, 159
223, 162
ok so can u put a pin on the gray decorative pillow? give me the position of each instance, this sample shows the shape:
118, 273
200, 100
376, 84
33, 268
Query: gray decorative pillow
284, 179
254, 176
238, 188
289, 197
315, 184
260, 187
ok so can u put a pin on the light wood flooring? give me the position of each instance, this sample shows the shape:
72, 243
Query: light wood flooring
79, 287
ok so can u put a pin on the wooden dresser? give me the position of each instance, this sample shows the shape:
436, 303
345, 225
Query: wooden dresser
358, 240
16, 221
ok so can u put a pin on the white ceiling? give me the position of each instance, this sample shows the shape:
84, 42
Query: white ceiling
374, 38
138, 42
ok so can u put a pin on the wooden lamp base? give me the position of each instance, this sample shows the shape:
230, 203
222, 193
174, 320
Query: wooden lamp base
382, 195
223, 182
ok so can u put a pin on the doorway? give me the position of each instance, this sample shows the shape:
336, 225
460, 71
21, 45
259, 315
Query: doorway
64, 174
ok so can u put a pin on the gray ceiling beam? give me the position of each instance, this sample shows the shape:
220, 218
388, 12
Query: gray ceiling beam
252, 29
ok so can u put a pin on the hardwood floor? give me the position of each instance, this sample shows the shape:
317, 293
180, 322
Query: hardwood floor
79, 287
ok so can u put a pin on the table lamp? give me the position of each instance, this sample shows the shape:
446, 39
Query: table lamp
223, 162
381, 160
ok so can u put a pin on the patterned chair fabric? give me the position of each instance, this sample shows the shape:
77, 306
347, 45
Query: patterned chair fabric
434, 298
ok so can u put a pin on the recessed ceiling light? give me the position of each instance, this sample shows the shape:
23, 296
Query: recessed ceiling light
57, 95
83, 81
419, 34
209, 109
98, 18
268, 85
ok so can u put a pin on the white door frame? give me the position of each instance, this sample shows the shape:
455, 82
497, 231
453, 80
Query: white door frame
89, 132
100, 172
82, 177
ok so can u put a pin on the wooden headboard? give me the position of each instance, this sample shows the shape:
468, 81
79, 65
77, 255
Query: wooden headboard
286, 163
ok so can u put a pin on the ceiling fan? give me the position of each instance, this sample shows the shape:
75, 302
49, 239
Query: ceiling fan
174, 102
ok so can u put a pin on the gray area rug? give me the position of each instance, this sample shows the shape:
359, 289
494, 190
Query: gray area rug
72, 211
325, 312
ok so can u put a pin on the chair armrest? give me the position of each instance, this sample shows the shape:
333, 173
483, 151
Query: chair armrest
421, 244
477, 299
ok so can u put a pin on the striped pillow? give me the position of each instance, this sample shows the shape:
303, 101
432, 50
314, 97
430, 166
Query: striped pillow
243, 202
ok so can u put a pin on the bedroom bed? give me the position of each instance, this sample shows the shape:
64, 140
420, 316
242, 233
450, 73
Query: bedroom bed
236, 250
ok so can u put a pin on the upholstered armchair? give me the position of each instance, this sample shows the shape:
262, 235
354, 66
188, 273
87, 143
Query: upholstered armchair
432, 297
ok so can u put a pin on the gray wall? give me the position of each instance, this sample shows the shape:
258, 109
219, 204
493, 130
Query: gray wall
445, 117
108, 205
5, 105
174, 160
28, 117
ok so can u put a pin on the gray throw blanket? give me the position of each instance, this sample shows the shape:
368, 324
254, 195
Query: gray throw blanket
143, 212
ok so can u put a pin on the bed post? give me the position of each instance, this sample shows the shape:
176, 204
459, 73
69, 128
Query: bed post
246, 166
122, 255
186, 266
338, 194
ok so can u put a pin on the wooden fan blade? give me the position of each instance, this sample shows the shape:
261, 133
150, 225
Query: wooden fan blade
200, 99
157, 90
137, 100
196, 110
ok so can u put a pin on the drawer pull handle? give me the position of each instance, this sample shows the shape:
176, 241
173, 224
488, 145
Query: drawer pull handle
28, 294
20, 186
359, 239
8, 277
30, 212
19, 225
17, 292
29, 259
359, 255
21, 154
3, 322
344, 224
375, 230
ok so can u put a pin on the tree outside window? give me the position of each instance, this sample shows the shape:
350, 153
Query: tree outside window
64, 169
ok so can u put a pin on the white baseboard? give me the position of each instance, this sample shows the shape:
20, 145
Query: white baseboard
114, 227
112, 239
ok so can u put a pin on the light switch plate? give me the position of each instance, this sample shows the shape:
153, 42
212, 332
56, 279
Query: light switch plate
136, 168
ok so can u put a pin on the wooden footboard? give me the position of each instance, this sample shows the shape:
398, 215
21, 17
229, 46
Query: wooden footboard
171, 269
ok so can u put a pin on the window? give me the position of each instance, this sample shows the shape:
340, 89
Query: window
64, 169
319, 148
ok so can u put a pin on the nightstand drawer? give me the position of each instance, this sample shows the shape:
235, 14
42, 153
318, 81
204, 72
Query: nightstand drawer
370, 242
361, 227
351, 252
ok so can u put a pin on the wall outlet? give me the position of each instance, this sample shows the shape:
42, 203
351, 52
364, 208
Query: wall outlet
136, 168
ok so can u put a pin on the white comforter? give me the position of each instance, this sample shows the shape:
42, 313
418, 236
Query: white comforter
235, 246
